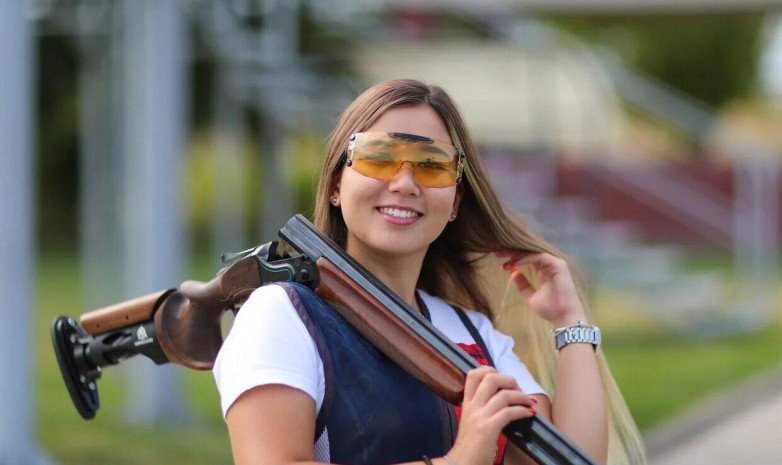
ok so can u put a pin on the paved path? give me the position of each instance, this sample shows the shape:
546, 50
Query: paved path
742, 426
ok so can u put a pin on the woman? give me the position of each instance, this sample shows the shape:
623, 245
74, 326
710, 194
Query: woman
403, 192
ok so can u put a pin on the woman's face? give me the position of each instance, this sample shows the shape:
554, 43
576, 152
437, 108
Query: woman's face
369, 205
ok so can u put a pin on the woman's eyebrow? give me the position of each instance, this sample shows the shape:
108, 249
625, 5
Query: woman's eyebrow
380, 143
436, 150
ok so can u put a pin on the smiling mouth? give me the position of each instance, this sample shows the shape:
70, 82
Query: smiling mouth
397, 213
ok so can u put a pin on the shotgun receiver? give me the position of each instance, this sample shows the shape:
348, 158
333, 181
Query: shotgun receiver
182, 326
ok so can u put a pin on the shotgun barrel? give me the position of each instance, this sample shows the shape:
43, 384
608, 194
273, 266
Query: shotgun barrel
540, 439
183, 327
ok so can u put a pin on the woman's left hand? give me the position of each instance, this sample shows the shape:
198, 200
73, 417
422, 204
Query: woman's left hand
556, 300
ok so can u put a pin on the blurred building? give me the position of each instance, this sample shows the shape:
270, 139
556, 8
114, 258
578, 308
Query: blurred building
511, 97
619, 195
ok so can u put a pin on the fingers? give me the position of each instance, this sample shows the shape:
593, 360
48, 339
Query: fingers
526, 289
539, 259
491, 401
546, 264
507, 398
512, 413
495, 390
491, 383
484, 381
473, 379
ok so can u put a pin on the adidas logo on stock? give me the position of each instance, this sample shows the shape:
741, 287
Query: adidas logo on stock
142, 336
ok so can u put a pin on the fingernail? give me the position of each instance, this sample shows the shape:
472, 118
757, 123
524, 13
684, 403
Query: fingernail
532, 410
513, 270
534, 400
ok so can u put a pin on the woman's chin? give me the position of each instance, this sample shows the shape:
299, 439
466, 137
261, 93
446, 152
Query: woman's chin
397, 246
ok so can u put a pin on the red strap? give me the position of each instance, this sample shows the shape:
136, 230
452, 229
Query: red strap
475, 352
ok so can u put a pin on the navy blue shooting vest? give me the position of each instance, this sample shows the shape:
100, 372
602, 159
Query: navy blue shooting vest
373, 411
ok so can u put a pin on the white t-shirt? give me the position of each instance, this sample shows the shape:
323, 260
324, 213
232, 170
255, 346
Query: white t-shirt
269, 344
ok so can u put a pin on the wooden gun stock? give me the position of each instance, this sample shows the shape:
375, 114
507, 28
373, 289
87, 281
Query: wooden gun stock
122, 314
187, 321
178, 326
189, 329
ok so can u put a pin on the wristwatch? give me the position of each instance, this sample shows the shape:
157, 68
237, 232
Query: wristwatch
582, 332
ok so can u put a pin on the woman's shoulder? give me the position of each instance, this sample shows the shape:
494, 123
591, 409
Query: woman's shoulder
268, 294
272, 295
267, 310
267, 344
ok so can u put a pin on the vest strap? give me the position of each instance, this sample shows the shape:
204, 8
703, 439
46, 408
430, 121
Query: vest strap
474, 333
323, 352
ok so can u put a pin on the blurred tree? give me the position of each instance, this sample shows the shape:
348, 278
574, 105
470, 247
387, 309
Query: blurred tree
714, 58
56, 143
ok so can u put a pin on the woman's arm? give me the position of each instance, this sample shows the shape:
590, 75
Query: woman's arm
275, 424
272, 424
578, 408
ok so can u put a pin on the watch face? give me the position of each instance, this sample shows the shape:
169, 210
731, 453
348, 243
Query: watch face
579, 334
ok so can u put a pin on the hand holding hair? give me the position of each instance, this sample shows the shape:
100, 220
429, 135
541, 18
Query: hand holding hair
556, 300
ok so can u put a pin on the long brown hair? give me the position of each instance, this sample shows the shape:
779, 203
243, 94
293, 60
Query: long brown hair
452, 268
449, 270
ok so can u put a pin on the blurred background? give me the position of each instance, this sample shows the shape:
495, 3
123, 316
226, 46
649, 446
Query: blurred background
140, 139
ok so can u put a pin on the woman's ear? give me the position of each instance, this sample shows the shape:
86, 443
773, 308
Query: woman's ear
456, 200
334, 199
458, 197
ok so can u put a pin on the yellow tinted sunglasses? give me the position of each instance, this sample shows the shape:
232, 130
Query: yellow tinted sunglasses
380, 155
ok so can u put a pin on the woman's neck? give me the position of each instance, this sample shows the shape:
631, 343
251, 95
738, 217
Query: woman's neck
399, 273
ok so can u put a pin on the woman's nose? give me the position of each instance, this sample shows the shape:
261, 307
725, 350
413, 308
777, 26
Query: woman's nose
404, 180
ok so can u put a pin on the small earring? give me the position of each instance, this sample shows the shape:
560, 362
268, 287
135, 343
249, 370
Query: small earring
453, 216
334, 200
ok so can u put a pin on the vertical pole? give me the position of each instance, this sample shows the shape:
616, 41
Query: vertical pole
17, 390
153, 142
276, 194
765, 192
279, 43
229, 216
742, 230
771, 214
757, 242
100, 229
751, 241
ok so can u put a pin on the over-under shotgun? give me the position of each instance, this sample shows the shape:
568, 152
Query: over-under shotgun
182, 326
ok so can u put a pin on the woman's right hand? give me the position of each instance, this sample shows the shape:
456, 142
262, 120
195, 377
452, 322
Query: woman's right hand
491, 401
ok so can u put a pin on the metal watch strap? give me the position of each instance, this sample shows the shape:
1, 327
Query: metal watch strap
580, 333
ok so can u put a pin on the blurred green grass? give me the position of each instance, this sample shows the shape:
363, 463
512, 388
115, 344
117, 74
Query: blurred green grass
659, 374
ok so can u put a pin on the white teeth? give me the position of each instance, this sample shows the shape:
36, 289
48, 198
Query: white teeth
399, 213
